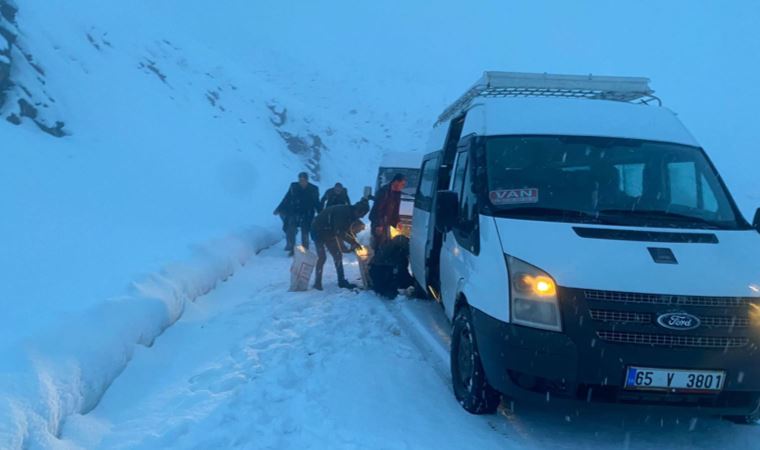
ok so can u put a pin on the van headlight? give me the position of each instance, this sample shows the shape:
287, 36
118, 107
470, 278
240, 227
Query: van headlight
533, 296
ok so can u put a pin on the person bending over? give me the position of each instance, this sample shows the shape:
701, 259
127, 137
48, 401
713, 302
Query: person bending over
331, 228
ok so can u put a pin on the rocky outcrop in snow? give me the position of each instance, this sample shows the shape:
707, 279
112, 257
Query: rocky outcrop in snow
25, 97
7, 38
309, 147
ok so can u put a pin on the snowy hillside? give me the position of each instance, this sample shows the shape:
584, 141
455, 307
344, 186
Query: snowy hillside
169, 143
144, 145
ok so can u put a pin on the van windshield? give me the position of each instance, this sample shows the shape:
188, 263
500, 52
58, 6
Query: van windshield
606, 180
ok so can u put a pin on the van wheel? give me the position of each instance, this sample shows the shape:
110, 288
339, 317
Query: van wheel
467, 375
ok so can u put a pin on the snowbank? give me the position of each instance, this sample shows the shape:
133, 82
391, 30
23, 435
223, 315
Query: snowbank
67, 369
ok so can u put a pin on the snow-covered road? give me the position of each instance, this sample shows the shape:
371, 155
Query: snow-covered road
253, 366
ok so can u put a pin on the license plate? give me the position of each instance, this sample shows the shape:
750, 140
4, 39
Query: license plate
674, 380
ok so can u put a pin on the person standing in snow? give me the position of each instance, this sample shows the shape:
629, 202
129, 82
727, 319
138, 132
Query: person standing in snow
385, 211
337, 195
297, 210
333, 227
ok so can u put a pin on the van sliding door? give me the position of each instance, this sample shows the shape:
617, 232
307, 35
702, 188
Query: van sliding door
435, 239
421, 219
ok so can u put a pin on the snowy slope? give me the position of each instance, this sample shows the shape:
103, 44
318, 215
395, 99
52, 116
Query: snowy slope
171, 143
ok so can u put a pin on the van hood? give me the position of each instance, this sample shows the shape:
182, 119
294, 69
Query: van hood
729, 268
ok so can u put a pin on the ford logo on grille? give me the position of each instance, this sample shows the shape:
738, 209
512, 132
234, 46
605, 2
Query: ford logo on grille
679, 321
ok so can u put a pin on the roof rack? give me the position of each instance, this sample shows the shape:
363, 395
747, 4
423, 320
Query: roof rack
515, 84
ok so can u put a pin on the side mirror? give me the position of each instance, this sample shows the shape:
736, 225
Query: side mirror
446, 210
756, 220
367, 191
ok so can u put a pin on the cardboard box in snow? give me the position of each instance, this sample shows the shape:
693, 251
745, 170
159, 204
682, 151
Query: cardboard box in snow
364, 256
302, 268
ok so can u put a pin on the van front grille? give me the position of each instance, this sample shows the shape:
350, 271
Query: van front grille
645, 318
665, 340
725, 322
671, 300
620, 316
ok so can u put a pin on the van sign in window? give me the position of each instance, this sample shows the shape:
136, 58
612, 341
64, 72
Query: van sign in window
514, 196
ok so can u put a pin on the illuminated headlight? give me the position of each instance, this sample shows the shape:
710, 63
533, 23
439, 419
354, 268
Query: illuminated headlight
533, 295
754, 315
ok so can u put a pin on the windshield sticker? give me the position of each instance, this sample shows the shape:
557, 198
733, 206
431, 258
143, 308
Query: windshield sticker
514, 196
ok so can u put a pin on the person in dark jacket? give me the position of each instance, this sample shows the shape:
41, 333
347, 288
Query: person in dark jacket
389, 269
331, 229
385, 211
337, 195
297, 210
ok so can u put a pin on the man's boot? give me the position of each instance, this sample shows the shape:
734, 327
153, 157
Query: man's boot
318, 280
342, 282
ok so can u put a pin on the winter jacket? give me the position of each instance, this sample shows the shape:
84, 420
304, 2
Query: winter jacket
332, 198
389, 269
335, 222
300, 203
385, 210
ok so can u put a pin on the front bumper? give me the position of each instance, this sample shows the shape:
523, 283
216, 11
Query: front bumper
522, 362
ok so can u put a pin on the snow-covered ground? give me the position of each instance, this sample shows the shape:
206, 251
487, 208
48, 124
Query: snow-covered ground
175, 149
253, 366
186, 120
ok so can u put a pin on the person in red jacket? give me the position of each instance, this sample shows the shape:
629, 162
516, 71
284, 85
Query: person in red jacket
385, 211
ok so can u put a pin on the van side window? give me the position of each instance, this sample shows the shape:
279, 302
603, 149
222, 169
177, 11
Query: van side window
424, 198
467, 205
461, 167
466, 231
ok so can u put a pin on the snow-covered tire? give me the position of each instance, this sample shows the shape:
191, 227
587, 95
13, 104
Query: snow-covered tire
467, 375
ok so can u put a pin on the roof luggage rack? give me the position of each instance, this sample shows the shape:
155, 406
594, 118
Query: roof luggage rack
515, 84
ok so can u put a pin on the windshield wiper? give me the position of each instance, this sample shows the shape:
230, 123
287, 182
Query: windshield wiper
658, 214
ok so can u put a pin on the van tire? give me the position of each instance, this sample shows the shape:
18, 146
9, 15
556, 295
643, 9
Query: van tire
471, 388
